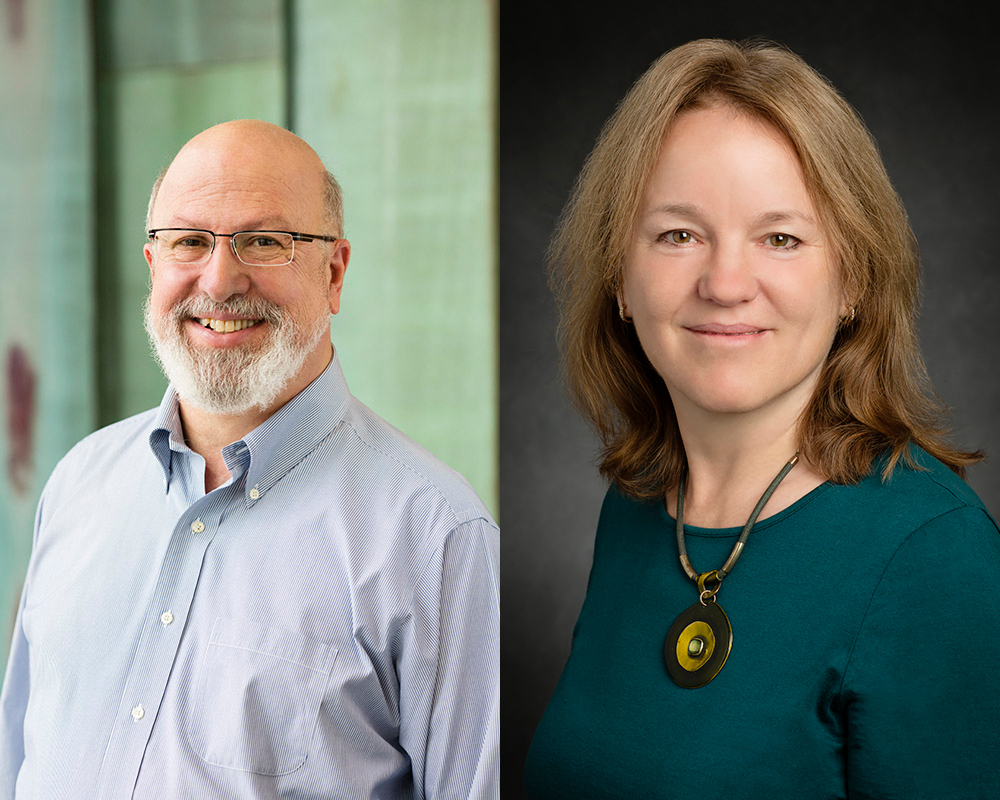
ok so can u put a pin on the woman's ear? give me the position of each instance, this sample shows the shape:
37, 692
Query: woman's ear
622, 305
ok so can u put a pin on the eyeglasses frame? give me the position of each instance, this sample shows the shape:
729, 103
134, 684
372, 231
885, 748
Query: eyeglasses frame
297, 236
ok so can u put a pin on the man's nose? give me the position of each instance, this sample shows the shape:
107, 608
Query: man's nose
223, 275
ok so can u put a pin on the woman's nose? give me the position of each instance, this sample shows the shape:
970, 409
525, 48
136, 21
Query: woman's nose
728, 276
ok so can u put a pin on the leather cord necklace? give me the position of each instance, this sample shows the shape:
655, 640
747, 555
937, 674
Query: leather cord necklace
700, 639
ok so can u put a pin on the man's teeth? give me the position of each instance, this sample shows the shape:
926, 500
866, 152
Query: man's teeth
227, 325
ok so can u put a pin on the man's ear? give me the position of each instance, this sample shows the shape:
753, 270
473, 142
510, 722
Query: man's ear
340, 254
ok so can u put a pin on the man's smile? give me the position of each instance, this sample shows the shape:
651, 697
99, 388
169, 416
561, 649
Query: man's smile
227, 325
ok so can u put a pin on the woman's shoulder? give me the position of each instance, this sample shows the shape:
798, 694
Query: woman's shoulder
919, 491
922, 479
620, 508
629, 525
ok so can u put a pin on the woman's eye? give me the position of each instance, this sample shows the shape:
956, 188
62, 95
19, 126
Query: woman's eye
679, 237
782, 241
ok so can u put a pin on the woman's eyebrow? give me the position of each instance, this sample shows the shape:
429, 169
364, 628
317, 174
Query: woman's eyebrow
686, 210
691, 211
771, 217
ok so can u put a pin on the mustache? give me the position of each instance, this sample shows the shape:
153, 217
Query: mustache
248, 307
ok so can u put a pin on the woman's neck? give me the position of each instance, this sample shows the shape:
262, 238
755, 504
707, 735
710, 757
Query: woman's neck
732, 460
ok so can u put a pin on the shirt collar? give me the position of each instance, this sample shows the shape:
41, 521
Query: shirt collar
277, 444
167, 434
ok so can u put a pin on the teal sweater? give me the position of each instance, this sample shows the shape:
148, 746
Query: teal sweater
865, 659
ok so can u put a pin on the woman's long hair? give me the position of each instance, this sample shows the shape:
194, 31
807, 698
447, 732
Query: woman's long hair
873, 393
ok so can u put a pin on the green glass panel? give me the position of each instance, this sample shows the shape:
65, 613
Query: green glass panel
46, 311
397, 98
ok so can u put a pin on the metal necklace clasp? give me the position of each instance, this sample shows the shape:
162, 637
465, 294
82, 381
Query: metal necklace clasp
708, 586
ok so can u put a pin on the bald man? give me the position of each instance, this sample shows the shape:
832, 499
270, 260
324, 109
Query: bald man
259, 589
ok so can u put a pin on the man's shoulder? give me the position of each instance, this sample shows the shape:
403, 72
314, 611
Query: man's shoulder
106, 446
118, 435
108, 454
397, 459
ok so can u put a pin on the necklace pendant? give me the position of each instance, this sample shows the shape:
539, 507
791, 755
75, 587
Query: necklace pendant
698, 644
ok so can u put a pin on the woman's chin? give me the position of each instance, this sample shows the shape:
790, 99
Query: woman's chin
723, 399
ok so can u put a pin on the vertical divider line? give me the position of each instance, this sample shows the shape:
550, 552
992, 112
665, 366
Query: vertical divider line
107, 358
288, 18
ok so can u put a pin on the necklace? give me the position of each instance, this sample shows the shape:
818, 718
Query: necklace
700, 639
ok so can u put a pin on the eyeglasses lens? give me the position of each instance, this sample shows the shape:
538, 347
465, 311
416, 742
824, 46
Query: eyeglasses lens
254, 248
186, 247
264, 248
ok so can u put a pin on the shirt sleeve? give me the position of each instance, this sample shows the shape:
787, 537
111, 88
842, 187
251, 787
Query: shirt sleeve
13, 703
450, 670
17, 685
921, 687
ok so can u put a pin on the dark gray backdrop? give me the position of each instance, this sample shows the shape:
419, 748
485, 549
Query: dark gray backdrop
924, 78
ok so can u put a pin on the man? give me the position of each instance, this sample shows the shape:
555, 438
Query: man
260, 589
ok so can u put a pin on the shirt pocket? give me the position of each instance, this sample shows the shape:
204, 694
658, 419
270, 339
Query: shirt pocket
257, 697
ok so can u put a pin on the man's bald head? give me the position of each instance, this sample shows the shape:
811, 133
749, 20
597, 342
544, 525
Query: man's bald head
241, 140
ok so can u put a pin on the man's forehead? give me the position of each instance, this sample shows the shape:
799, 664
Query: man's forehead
257, 189
252, 136
248, 150
251, 196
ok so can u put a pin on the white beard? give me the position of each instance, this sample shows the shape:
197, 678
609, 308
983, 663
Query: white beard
232, 380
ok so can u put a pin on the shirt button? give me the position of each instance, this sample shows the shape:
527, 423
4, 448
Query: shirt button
197, 526
254, 493
138, 713
166, 618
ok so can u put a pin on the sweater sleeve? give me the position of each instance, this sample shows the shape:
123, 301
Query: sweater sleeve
922, 687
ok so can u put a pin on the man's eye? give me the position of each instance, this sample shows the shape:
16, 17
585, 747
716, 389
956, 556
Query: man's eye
263, 241
782, 241
678, 237
191, 242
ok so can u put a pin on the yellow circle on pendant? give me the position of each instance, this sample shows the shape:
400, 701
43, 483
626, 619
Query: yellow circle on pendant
695, 645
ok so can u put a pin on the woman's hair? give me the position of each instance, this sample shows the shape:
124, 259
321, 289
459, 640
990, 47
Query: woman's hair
873, 392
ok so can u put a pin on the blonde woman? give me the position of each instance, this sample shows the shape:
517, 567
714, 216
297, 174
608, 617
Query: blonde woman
792, 588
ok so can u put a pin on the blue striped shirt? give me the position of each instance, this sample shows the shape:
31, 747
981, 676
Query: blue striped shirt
326, 624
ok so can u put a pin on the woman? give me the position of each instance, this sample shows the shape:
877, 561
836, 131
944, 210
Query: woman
791, 589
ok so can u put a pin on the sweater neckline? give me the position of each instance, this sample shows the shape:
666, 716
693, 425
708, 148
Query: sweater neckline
761, 525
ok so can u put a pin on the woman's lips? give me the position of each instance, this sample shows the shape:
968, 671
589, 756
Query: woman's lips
718, 329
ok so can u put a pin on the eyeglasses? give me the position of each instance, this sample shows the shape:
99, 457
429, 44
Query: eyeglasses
253, 248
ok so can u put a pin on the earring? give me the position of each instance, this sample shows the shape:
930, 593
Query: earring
621, 313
